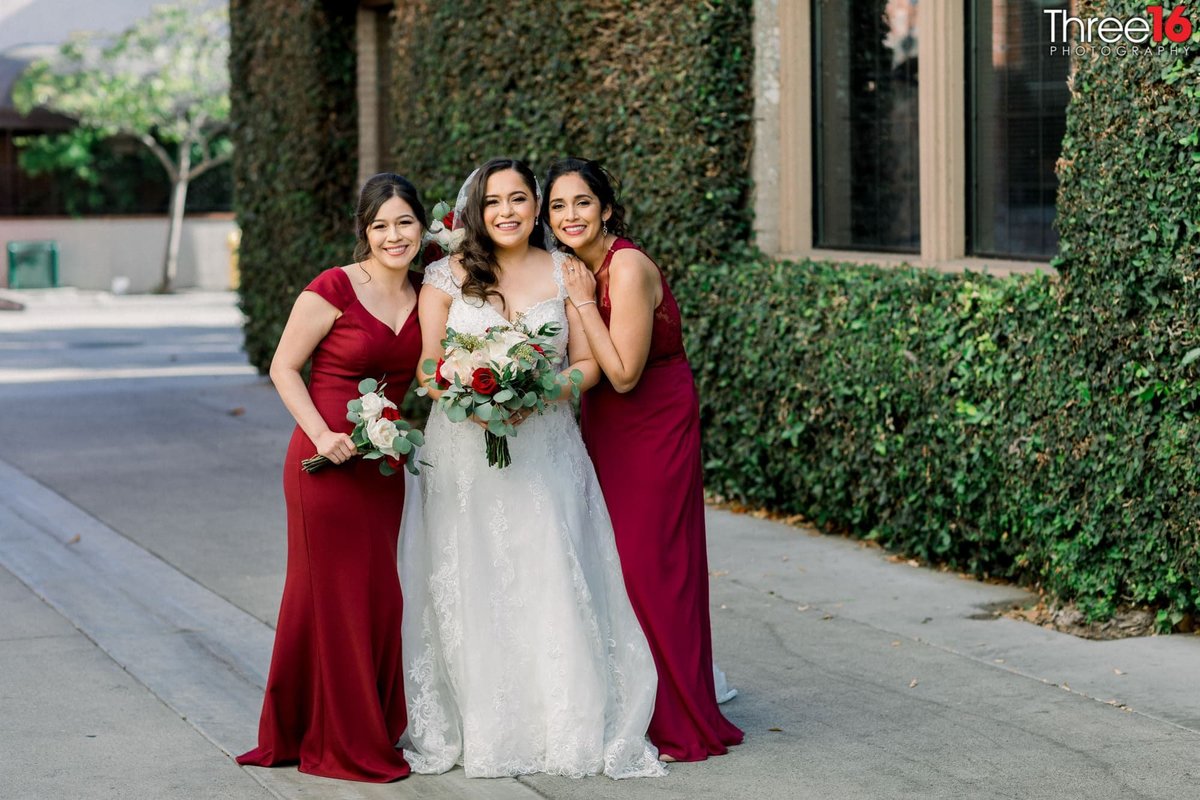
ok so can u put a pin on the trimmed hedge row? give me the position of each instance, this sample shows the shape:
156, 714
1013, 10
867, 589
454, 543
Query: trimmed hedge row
295, 133
951, 417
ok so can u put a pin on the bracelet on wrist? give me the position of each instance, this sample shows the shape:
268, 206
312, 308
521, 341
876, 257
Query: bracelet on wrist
584, 303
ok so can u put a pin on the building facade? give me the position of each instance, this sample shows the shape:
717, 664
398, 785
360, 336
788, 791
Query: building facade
886, 131
898, 131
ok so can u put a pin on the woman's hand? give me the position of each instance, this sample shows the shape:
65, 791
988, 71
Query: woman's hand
580, 282
517, 417
337, 447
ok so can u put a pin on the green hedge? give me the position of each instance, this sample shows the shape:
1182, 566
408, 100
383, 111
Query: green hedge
1040, 431
657, 90
295, 133
948, 417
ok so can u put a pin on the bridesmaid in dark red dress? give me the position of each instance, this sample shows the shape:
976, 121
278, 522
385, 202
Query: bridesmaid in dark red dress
335, 695
642, 429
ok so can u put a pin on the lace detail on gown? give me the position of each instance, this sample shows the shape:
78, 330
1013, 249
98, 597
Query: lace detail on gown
522, 652
439, 276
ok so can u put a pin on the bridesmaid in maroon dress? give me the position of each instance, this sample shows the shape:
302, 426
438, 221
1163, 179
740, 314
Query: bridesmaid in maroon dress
335, 695
642, 429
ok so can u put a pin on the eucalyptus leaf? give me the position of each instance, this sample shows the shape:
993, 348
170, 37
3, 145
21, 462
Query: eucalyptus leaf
367, 386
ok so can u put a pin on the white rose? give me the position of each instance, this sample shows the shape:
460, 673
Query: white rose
450, 241
497, 351
459, 363
383, 434
373, 405
480, 358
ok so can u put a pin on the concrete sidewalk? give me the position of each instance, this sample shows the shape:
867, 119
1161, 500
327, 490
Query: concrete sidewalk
142, 556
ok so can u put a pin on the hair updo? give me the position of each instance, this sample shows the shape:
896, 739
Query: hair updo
375, 192
599, 181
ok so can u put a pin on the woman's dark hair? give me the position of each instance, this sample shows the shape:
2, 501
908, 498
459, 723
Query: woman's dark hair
375, 192
601, 183
478, 249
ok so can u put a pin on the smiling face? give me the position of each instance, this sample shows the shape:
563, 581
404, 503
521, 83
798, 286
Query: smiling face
509, 209
394, 234
575, 213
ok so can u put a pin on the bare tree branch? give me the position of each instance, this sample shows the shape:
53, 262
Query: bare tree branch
163, 156
208, 164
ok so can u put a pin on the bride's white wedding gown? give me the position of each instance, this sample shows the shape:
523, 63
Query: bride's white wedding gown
521, 651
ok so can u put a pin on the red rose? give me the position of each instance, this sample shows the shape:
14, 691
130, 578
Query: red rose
538, 347
448, 220
484, 382
441, 380
396, 462
390, 413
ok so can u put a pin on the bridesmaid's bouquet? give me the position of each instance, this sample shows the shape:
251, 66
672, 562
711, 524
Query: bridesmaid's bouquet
379, 433
507, 371
441, 234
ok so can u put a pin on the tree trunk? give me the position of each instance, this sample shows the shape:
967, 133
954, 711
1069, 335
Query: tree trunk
175, 230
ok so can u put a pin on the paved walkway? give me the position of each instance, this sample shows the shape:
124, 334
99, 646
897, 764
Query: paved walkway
142, 556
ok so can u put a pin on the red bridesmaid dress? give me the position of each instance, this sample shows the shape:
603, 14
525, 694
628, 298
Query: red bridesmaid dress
334, 703
645, 445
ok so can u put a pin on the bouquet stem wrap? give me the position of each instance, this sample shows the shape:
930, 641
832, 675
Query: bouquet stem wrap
497, 450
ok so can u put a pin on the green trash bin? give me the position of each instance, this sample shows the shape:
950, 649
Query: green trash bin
32, 265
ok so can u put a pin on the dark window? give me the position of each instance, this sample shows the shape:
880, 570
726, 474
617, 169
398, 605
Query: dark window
865, 118
1016, 115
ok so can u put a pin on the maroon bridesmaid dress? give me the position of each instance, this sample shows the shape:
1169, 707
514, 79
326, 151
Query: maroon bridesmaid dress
335, 695
646, 448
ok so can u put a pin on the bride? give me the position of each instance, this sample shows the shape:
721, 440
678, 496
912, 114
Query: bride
521, 650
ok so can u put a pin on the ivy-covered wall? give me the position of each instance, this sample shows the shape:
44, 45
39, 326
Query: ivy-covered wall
1041, 431
1044, 431
295, 134
658, 91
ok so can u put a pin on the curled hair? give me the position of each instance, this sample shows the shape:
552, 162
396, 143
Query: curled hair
478, 249
375, 192
601, 183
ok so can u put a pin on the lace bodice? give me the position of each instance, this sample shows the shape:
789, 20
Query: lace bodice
474, 316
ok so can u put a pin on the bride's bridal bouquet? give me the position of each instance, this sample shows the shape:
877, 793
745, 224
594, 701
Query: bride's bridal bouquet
379, 433
497, 378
